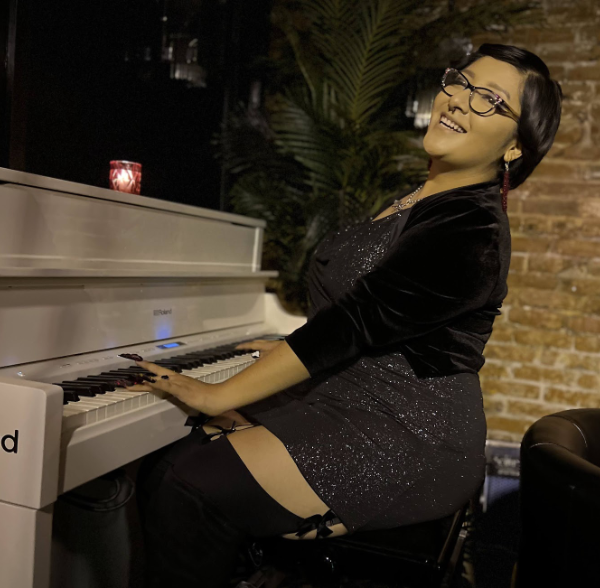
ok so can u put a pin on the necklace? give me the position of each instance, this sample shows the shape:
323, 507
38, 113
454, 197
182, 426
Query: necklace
410, 200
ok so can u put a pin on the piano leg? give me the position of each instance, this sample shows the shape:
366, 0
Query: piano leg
25, 545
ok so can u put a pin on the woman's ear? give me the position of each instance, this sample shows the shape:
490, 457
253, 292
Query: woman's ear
513, 153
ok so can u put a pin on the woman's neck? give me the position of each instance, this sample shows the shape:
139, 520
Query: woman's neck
440, 180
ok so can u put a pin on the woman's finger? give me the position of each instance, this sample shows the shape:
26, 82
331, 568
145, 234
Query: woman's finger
140, 388
156, 369
249, 344
259, 345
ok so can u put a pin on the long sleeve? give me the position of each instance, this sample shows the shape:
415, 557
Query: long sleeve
444, 264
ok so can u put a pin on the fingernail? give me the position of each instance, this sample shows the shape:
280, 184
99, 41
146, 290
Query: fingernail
148, 379
165, 377
132, 356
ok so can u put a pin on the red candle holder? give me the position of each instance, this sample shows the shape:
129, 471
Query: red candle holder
125, 176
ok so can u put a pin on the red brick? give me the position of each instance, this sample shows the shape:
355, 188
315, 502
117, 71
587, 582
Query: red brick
572, 399
590, 228
591, 344
494, 370
502, 333
591, 305
590, 207
588, 34
509, 353
547, 299
545, 188
584, 324
518, 263
548, 35
549, 338
577, 248
589, 72
531, 245
492, 405
549, 263
568, 134
508, 424
565, 226
537, 410
543, 374
538, 281
550, 168
509, 388
557, 52
531, 225
580, 361
593, 267
556, 207
550, 356
582, 287
589, 381
576, 92
536, 318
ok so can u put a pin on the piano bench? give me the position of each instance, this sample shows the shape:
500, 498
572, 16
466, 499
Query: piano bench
422, 555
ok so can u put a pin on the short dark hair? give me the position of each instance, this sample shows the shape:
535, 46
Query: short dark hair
541, 105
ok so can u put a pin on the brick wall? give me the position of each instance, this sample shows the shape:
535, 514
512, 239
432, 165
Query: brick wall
544, 354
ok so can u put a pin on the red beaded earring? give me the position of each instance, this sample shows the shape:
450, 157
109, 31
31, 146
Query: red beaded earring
505, 187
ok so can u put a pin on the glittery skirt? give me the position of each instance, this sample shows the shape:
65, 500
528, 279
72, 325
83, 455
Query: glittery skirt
380, 446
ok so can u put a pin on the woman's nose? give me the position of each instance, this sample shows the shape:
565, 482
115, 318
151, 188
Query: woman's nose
460, 100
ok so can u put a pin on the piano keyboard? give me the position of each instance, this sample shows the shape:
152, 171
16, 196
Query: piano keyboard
95, 398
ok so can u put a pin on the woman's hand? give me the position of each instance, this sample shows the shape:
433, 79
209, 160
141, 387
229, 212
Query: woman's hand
198, 395
263, 345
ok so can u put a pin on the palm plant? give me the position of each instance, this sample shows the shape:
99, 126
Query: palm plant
333, 143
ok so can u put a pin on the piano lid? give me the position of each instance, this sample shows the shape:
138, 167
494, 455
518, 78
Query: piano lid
54, 228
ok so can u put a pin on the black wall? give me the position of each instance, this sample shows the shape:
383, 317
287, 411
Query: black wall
89, 85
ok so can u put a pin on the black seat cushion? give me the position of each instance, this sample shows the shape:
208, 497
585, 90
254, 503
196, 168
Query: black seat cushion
416, 553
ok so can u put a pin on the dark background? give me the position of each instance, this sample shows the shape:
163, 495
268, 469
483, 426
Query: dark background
150, 81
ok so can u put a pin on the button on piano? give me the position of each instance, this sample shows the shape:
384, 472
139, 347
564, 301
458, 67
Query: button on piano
86, 274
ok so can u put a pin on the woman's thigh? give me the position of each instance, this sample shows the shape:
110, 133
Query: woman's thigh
273, 468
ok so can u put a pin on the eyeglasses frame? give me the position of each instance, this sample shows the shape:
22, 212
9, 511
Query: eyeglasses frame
499, 100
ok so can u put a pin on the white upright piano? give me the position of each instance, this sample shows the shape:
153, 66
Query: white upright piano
86, 274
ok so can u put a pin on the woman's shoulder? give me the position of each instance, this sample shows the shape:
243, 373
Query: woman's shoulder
476, 203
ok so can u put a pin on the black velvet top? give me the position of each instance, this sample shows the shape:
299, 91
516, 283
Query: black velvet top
433, 296
390, 430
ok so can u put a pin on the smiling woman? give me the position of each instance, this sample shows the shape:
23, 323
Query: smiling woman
370, 416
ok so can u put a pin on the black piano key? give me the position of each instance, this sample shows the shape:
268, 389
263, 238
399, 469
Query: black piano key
184, 364
79, 390
131, 368
70, 396
112, 379
194, 363
106, 386
92, 387
170, 366
205, 359
129, 373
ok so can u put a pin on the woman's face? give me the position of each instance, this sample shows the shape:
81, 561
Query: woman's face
489, 137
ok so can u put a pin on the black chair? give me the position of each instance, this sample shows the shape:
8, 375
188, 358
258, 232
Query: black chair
560, 502
423, 555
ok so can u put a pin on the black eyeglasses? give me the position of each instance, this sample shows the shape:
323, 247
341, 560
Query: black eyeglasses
481, 100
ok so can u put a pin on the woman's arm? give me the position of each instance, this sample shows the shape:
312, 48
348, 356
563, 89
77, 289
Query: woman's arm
279, 370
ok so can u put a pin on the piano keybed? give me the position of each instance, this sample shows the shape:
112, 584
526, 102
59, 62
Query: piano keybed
94, 398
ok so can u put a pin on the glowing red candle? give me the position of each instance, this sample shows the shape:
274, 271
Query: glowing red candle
126, 176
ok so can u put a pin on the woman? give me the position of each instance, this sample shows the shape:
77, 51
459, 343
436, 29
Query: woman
369, 416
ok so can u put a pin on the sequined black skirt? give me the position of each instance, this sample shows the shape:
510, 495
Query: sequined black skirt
380, 446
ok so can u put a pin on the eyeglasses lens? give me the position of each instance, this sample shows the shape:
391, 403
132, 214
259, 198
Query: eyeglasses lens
454, 82
482, 101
